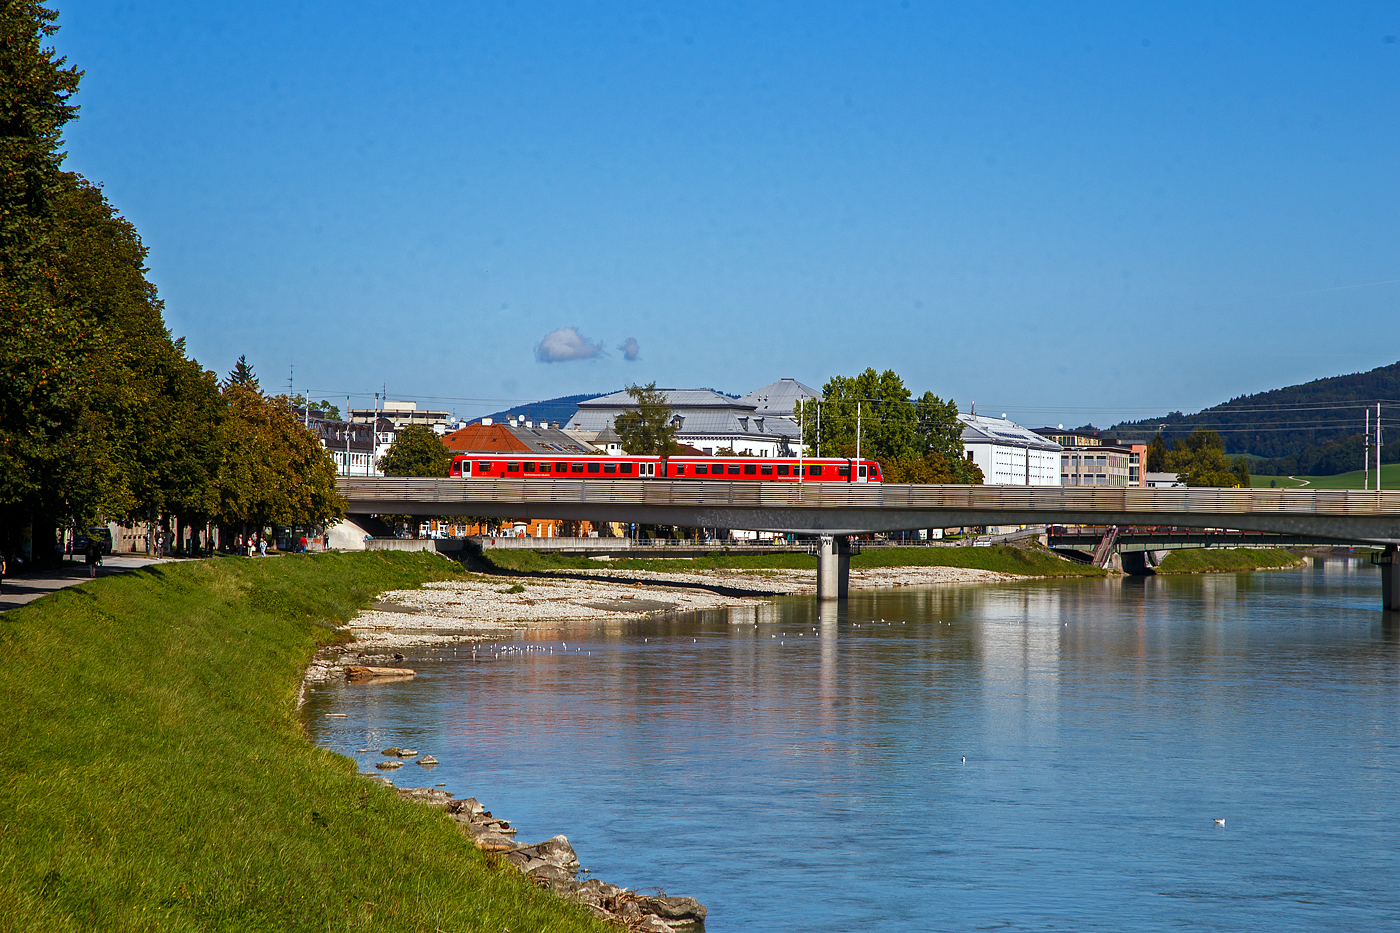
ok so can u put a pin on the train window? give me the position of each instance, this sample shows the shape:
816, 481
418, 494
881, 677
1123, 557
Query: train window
733, 469
544, 467
483, 466
576, 468
624, 468
702, 469
783, 469
680, 469
843, 470
529, 468
862, 471
610, 468
595, 468
512, 468
750, 469
766, 469
814, 470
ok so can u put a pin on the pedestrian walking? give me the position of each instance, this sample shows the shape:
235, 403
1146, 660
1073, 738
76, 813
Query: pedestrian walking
91, 556
262, 546
3, 568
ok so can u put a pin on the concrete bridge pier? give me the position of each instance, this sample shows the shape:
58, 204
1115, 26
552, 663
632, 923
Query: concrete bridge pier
1390, 579
833, 567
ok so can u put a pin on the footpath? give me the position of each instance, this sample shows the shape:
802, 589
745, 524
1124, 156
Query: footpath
27, 587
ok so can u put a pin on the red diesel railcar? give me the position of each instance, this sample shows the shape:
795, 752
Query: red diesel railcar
700, 469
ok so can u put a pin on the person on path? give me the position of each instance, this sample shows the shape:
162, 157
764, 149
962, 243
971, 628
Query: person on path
262, 546
91, 556
3, 568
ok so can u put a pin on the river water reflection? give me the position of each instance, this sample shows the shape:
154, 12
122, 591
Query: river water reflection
801, 769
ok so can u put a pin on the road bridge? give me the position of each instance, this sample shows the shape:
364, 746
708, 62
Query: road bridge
1137, 547
834, 511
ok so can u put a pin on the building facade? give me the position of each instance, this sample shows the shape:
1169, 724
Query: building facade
1089, 459
1008, 454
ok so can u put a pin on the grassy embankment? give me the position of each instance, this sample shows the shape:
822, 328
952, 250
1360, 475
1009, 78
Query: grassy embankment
1390, 479
156, 776
1227, 560
1037, 562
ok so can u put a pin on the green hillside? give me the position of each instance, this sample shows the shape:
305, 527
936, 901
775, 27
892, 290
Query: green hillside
1390, 479
1315, 428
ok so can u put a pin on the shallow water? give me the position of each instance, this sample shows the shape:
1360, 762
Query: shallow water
800, 769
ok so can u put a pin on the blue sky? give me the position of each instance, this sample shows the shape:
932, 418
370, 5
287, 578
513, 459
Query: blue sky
1069, 212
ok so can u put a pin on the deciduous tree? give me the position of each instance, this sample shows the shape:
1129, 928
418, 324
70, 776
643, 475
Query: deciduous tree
648, 430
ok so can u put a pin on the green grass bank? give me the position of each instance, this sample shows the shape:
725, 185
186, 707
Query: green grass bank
156, 776
1228, 560
1390, 479
1037, 562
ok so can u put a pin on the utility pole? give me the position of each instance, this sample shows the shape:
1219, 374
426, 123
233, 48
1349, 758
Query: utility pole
348, 431
857, 429
1378, 447
801, 438
819, 429
1366, 453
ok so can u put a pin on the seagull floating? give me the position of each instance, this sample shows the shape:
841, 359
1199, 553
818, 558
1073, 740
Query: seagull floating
1219, 822
964, 759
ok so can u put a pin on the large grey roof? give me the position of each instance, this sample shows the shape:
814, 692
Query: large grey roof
978, 429
702, 412
779, 398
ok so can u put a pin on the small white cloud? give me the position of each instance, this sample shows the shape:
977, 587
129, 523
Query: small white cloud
630, 349
566, 343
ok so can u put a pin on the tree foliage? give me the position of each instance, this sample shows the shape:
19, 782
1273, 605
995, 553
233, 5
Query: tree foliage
649, 430
1157, 455
1199, 460
416, 451
272, 470
102, 414
873, 414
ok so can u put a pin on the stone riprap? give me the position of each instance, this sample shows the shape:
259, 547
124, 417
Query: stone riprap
554, 865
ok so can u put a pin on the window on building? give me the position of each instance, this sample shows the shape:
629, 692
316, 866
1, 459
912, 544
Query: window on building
1064, 461
1064, 479
1101, 479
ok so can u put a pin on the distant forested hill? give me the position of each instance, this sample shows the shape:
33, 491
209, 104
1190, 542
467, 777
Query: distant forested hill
553, 409
1311, 429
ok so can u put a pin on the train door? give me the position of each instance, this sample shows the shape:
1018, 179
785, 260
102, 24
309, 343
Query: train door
861, 472
646, 470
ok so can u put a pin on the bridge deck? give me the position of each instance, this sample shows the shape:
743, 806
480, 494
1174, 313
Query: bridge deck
837, 508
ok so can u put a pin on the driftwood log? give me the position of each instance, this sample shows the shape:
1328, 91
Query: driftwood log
358, 674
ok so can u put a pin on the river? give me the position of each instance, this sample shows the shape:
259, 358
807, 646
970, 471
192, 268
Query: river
798, 768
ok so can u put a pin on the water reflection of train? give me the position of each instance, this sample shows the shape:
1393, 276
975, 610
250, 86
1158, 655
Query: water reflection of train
728, 469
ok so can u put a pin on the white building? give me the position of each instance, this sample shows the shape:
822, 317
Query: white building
1008, 454
759, 424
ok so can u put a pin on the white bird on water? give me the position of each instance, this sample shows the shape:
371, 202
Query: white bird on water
1220, 822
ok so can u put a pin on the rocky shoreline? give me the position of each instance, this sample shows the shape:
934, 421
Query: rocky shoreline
552, 864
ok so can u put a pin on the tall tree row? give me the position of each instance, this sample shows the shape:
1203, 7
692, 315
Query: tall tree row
102, 414
873, 414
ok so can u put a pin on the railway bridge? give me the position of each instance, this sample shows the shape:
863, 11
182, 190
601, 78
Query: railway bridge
834, 511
